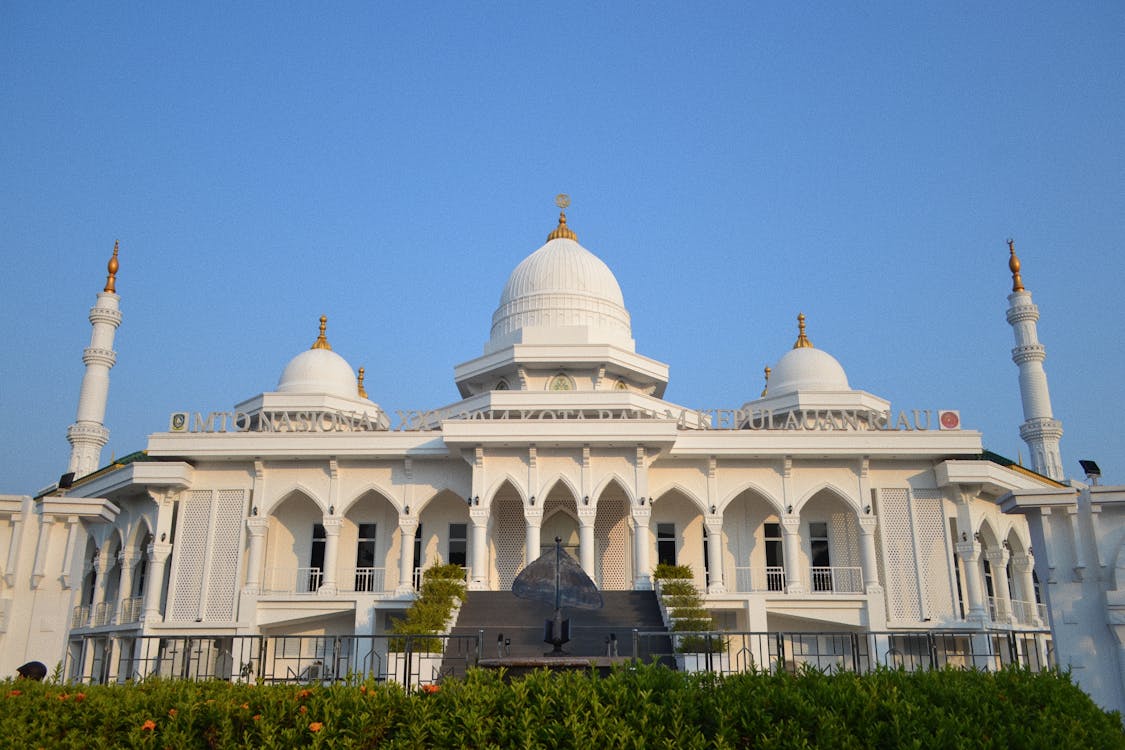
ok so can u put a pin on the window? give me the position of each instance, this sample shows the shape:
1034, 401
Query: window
139, 575
418, 547
458, 544
666, 543
1035, 585
957, 575
501, 385
821, 560
988, 579
706, 560
775, 560
365, 558
560, 382
316, 558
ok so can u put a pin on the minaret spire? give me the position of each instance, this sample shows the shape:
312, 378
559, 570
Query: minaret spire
88, 434
1040, 430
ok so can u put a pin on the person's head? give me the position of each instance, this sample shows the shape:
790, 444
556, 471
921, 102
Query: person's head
33, 670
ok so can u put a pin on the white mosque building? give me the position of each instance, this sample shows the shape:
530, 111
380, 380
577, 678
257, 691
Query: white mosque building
309, 510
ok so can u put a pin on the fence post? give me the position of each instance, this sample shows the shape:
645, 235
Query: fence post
933, 648
480, 645
855, 653
780, 652
636, 644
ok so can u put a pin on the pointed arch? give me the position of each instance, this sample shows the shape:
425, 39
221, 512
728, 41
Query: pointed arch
425, 502
498, 485
140, 529
554, 481
609, 479
831, 489
289, 493
363, 491
679, 488
988, 537
757, 489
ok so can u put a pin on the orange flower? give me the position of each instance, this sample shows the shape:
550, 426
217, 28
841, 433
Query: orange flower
303, 709
63, 696
246, 705
430, 689
79, 697
14, 693
256, 717
316, 726
172, 712
148, 726
363, 689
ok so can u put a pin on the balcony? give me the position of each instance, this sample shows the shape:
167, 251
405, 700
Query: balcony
103, 614
372, 580
131, 610
80, 617
836, 580
293, 580
754, 580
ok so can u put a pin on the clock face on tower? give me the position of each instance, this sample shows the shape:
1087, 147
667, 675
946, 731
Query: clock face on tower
560, 383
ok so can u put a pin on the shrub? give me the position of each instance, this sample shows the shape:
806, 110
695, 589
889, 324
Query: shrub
685, 608
636, 707
442, 587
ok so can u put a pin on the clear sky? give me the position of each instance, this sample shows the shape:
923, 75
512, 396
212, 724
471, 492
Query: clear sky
388, 165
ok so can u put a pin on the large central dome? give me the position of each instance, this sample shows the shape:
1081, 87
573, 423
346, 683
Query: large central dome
561, 293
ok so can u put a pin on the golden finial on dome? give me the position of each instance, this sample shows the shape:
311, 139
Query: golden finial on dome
321, 340
359, 384
1014, 267
802, 340
562, 231
767, 385
111, 280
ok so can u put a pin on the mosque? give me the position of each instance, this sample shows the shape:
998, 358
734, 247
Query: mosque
310, 510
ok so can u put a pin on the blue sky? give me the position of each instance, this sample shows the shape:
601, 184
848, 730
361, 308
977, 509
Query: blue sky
388, 165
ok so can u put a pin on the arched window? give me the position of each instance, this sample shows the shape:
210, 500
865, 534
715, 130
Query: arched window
561, 382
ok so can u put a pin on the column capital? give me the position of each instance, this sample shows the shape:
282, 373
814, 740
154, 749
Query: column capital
257, 525
159, 551
587, 514
641, 513
479, 515
533, 514
968, 551
791, 524
332, 524
713, 523
868, 524
995, 556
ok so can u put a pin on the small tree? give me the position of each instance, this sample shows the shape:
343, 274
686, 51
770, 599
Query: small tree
428, 615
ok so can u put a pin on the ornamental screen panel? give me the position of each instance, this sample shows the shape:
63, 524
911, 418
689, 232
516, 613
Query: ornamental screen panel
933, 554
190, 553
226, 537
899, 571
508, 534
611, 537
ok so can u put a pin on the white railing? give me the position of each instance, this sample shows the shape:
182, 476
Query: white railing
80, 618
363, 579
1028, 613
131, 610
749, 580
836, 580
103, 614
294, 580
998, 610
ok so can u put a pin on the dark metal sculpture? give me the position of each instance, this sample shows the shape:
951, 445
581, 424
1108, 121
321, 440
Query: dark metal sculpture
556, 578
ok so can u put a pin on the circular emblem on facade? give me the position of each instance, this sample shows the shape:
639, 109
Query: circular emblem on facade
950, 420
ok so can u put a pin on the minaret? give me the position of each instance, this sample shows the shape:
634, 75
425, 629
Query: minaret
88, 435
1040, 430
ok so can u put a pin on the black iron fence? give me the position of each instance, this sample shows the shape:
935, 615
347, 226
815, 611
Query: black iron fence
419, 660
858, 651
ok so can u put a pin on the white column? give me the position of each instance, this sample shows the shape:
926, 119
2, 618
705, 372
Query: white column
104, 562
1022, 566
88, 434
794, 578
586, 541
407, 526
969, 552
867, 525
38, 569
714, 526
479, 573
128, 563
533, 517
13, 549
73, 533
332, 525
642, 541
158, 553
258, 528
998, 561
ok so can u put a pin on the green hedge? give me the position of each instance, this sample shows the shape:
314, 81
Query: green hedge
646, 707
441, 584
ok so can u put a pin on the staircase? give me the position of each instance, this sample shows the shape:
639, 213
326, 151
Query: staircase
502, 614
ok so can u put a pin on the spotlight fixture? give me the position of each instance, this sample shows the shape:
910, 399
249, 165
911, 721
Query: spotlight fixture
1093, 473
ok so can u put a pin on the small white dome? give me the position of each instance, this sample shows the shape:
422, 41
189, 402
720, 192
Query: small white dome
563, 285
807, 369
319, 370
